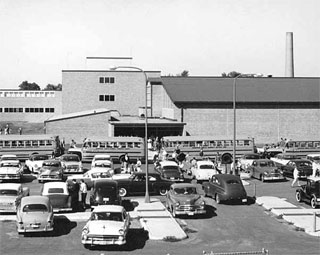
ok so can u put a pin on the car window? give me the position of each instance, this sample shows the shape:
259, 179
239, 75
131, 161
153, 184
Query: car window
35, 208
113, 216
206, 166
231, 182
51, 164
56, 190
185, 191
171, 168
304, 164
70, 158
100, 175
42, 157
8, 192
100, 164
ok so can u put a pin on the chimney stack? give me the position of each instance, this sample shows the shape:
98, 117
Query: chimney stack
289, 55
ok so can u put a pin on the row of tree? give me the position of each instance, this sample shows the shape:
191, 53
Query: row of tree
25, 85
233, 74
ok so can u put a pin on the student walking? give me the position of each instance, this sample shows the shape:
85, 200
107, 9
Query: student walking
83, 191
295, 176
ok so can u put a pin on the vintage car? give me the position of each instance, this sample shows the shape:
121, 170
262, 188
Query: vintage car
136, 184
272, 152
51, 170
91, 176
170, 170
105, 192
105, 158
246, 159
103, 165
108, 225
58, 194
282, 159
34, 214
203, 170
225, 187
265, 170
35, 161
11, 195
315, 159
183, 199
310, 192
71, 164
304, 167
10, 170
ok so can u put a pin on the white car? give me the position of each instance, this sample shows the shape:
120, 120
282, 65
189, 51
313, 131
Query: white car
315, 159
71, 164
11, 170
108, 225
9, 157
58, 194
34, 163
10, 196
246, 159
105, 158
203, 170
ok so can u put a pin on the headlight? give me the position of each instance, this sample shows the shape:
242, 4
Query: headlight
202, 203
121, 232
85, 231
97, 198
177, 204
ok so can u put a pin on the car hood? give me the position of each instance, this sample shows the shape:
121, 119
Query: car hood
9, 170
187, 199
49, 171
269, 169
105, 227
7, 199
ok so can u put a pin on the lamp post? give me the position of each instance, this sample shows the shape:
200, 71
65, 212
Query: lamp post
147, 197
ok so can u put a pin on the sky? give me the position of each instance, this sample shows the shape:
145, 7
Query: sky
40, 38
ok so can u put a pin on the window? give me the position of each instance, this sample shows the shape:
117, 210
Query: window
101, 98
107, 80
107, 98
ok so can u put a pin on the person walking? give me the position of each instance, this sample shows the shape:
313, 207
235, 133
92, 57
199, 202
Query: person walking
74, 188
83, 191
295, 176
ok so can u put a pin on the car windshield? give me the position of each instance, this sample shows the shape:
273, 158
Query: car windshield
100, 175
51, 164
170, 168
71, 158
56, 190
267, 164
113, 216
232, 182
35, 208
252, 157
206, 167
102, 158
8, 192
304, 164
102, 164
8, 164
41, 157
185, 191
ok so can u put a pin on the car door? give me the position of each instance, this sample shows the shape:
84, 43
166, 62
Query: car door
213, 186
138, 184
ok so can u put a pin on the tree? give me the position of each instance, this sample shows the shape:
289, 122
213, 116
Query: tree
25, 85
185, 73
53, 87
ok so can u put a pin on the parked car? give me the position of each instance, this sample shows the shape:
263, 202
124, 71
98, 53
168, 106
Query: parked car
103, 158
35, 161
91, 176
183, 199
282, 159
58, 194
203, 170
246, 159
11, 195
265, 170
170, 170
304, 167
71, 164
34, 214
272, 152
105, 192
225, 187
136, 184
310, 192
51, 170
11, 170
102, 165
108, 225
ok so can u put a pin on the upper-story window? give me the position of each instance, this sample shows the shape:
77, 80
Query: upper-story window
106, 97
106, 79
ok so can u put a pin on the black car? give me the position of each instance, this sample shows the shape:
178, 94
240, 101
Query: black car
105, 192
136, 184
310, 192
304, 167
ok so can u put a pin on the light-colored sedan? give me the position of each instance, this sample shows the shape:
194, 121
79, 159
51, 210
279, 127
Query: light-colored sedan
34, 214
106, 158
11, 195
34, 163
51, 171
58, 194
71, 164
203, 170
108, 225
10, 170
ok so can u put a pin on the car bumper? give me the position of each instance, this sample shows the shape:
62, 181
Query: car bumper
49, 179
270, 178
30, 229
190, 212
100, 241
62, 210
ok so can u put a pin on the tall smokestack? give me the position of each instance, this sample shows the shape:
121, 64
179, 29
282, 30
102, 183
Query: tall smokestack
289, 55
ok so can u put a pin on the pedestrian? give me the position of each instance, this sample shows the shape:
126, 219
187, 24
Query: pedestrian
126, 162
83, 191
20, 131
295, 175
201, 154
138, 165
74, 188
73, 144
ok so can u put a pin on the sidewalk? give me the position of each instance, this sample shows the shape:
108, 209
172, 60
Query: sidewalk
307, 219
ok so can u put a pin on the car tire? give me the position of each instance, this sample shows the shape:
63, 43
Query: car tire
217, 198
87, 246
298, 196
163, 191
122, 192
313, 202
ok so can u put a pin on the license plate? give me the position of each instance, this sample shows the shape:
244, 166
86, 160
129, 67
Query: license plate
106, 199
35, 225
190, 213
171, 178
244, 200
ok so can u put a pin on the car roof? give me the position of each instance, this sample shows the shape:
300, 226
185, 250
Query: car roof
263, 160
100, 182
227, 176
168, 163
314, 155
300, 160
108, 208
183, 185
52, 160
69, 155
12, 186
102, 156
11, 161
34, 200
9, 155
204, 162
54, 184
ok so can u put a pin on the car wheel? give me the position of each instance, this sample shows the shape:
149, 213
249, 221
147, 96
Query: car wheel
298, 196
87, 246
313, 202
163, 191
218, 200
122, 192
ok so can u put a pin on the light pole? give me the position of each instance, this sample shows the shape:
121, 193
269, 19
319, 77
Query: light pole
147, 197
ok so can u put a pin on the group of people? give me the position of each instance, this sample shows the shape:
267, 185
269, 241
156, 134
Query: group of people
8, 131
128, 166
74, 189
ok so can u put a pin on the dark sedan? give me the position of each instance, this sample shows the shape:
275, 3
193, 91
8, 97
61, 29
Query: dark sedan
224, 187
136, 184
304, 167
